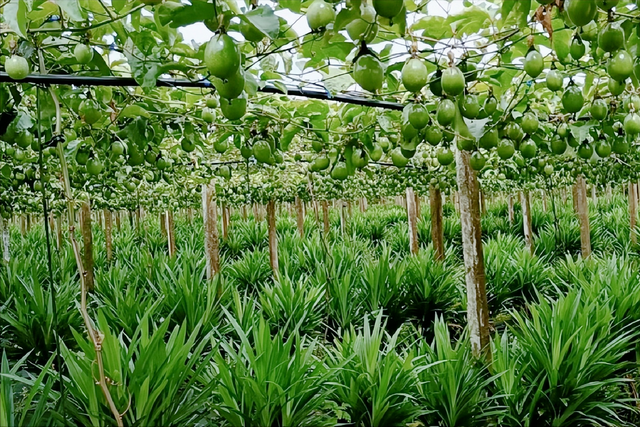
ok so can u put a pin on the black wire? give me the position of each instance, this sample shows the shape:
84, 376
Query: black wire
45, 211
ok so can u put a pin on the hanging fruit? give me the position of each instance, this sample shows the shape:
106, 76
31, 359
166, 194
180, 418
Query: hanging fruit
414, 75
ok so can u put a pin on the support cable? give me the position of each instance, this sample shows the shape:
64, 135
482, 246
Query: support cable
74, 80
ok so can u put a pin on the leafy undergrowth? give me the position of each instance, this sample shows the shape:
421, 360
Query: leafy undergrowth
352, 331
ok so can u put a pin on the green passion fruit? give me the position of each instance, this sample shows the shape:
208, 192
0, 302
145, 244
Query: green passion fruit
230, 87
514, 132
555, 81
234, 109
616, 87
490, 105
444, 156
387, 8
414, 75
340, 171
320, 14
632, 124
368, 73
446, 112
376, 153
222, 56
222, 145
433, 135
398, 159
212, 102
83, 53
611, 37
94, 166
208, 115
620, 146
17, 67
477, 161
365, 27
435, 83
530, 123
188, 145
599, 109
469, 106
418, 116
117, 148
620, 66
581, 12
533, 63
558, 146
603, 148
528, 149
320, 164
489, 139
90, 111
262, 151
572, 99
24, 139
585, 151
453, 81
506, 149
82, 156
577, 48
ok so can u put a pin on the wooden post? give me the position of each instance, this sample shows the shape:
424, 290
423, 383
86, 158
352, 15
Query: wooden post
118, 220
437, 232
609, 191
225, 222
87, 240
477, 305
364, 205
633, 212
23, 225
59, 238
325, 217
510, 211
6, 254
583, 216
315, 211
299, 217
163, 224
544, 201
574, 190
273, 237
107, 234
413, 221
343, 227
525, 201
244, 212
211, 238
171, 236
418, 207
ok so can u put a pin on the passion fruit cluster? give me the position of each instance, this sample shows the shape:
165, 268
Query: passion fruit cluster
223, 60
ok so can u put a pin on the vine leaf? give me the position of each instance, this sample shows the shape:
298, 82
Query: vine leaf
264, 20
15, 15
72, 9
